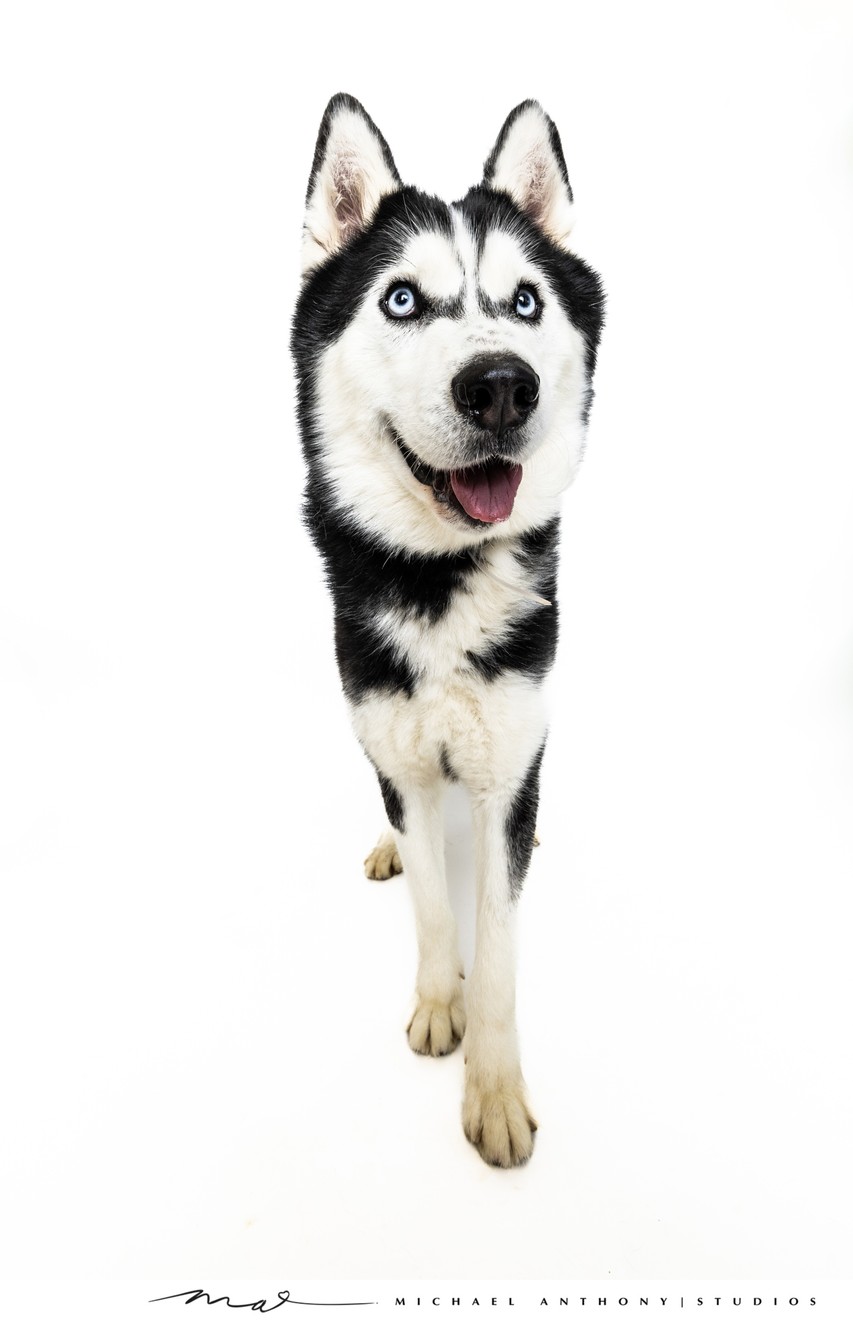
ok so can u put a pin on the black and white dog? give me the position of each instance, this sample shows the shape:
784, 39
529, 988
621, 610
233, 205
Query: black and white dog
444, 357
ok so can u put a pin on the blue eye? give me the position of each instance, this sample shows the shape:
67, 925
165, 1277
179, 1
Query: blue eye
401, 302
526, 304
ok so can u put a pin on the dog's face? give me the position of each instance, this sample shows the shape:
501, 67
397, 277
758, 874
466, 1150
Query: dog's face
445, 353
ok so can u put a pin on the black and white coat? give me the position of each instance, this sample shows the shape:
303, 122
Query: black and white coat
441, 352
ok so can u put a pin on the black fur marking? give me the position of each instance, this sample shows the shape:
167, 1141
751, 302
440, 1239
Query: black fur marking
366, 661
446, 768
520, 825
366, 579
393, 803
529, 647
531, 644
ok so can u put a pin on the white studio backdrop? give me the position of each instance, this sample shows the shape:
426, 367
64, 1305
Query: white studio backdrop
204, 999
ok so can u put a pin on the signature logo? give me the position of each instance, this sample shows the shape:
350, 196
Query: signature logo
262, 1305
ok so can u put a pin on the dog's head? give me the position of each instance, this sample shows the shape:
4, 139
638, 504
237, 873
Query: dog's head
444, 353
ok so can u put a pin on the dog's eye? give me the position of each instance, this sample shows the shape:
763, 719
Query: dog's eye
402, 301
526, 303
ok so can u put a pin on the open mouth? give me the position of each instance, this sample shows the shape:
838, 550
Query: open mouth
484, 493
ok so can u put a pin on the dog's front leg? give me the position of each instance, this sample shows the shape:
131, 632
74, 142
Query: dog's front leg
496, 1116
438, 1023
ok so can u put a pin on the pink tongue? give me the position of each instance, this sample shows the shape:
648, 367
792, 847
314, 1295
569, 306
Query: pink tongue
487, 494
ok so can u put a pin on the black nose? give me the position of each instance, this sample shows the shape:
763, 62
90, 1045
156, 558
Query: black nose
497, 393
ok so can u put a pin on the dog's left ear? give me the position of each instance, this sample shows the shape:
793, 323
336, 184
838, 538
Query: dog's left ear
527, 162
353, 170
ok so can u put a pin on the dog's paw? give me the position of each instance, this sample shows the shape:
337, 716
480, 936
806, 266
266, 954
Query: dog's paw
437, 1027
497, 1120
383, 861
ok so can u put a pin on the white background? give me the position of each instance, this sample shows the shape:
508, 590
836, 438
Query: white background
204, 1000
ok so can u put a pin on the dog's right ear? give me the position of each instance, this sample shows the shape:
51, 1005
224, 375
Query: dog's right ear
353, 170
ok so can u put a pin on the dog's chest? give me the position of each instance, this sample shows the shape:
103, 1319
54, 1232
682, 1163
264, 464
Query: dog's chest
479, 614
471, 701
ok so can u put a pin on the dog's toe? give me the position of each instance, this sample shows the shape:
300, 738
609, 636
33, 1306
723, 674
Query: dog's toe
383, 861
498, 1122
437, 1027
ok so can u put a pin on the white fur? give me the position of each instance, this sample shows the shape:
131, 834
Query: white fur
504, 265
434, 264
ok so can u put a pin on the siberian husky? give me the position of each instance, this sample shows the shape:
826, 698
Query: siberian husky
444, 357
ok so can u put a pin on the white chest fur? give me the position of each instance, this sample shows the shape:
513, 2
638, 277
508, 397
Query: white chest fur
487, 729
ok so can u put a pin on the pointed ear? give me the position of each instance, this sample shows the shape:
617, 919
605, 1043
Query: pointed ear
353, 169
527, 162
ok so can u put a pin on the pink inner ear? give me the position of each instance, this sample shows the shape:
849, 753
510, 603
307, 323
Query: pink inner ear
537, 188
529, 166
348, 199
